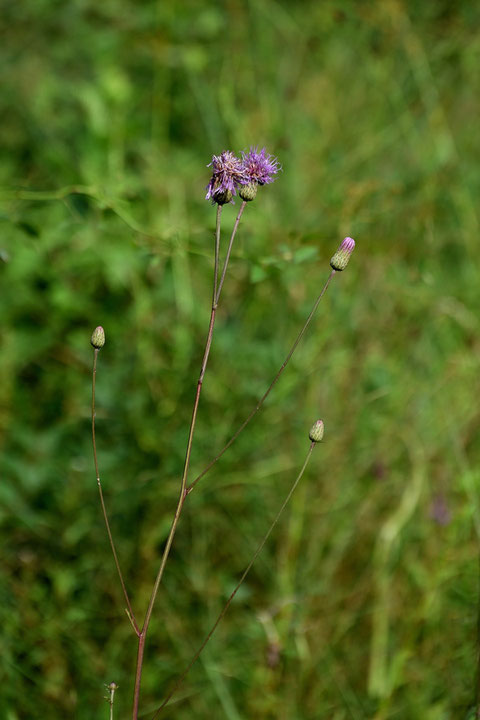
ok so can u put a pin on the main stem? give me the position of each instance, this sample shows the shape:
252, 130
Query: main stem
217, 287
181, 500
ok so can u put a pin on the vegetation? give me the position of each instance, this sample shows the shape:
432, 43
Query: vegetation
363, 603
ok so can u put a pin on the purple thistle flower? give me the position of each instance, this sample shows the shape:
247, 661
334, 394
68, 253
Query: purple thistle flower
228, 173
259, 167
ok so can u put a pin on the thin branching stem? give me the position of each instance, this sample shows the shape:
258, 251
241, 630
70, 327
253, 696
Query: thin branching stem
129, 609
237, 586
267, 392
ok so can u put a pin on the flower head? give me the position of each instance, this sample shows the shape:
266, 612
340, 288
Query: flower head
340, 260
259, 167
228, 173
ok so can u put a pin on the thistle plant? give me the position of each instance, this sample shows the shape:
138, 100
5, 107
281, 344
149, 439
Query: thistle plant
231, 176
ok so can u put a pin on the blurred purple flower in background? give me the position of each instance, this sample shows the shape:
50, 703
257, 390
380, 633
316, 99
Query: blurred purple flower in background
439, 510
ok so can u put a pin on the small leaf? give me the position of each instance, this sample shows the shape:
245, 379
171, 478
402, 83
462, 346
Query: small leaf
257, 274
304, 254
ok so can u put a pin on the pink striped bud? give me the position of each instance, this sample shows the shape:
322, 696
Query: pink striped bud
340, 260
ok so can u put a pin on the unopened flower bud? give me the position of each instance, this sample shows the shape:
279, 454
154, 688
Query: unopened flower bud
340, 260
248, 192
98, 338
316, 431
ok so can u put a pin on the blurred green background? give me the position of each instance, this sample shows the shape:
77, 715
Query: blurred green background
364, 601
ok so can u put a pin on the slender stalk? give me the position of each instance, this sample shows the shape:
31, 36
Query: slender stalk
217, 253
237, 586
182, 496
111, 696
181, 500
217, 286
267, 392
130, 612
138, 672
229, 250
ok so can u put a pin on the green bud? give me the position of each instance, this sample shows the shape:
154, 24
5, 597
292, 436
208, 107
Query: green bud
316, 431
223, 198
248, 192
98, 338
340, 260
